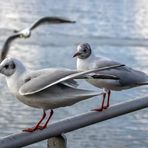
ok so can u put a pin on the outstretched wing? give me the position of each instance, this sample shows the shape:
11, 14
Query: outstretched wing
43, 20
50, 20
6, 46
51, 78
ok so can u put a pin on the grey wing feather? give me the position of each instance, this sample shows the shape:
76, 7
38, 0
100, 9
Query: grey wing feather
81, 75
71, 83
46, 20
50, 20
40, 80
51, 78
105, 63
103, 76
127, 76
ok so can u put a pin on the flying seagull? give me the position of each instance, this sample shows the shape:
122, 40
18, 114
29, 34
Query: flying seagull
128, 77
47, 88
26, 33
44, 20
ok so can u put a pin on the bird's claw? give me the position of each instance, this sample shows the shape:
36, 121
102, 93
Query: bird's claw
105, 107
97, 109
32, 129
41, 127
100, 109
29, 129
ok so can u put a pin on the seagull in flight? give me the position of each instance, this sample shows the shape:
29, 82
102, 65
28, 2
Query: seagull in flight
49, 88
127, 77
26, 33
44, 20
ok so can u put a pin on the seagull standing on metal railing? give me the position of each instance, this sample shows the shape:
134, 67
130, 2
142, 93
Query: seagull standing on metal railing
46, 88
26, 33
128, 77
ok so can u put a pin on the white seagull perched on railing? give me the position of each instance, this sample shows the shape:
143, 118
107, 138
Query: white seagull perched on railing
128, 77
26, 33
47, 88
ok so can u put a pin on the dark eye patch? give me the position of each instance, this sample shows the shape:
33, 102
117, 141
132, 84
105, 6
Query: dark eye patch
85, 50
6, 66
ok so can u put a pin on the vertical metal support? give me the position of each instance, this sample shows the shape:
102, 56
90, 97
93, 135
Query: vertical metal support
57, 142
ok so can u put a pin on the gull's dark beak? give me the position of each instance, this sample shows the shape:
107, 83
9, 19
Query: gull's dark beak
76, 54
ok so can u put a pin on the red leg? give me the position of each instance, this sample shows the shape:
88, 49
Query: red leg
45, 125
37, 125
102, 106
108, 100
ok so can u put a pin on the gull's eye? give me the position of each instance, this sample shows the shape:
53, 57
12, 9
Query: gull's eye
85, 50
6, 66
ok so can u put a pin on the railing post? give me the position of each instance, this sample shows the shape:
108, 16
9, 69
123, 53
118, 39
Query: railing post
57, 142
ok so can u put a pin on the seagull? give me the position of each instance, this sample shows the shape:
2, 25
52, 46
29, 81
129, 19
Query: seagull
46, 88
26, 33
44, 20
128, 77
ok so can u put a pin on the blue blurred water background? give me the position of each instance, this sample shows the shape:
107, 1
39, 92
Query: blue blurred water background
104, 24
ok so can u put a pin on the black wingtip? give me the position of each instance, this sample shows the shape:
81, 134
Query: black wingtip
105, 77
67, 21
15, 31
72, 21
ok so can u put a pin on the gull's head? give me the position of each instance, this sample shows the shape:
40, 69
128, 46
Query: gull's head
9, 65
83, 51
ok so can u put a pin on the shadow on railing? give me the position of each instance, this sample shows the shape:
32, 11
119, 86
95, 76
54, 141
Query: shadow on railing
70, 124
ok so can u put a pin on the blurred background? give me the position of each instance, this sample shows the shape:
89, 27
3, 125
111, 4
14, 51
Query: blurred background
54, 45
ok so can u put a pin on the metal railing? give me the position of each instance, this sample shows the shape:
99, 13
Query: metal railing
73, 123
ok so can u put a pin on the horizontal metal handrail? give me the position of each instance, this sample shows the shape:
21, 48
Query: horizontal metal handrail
73, 123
